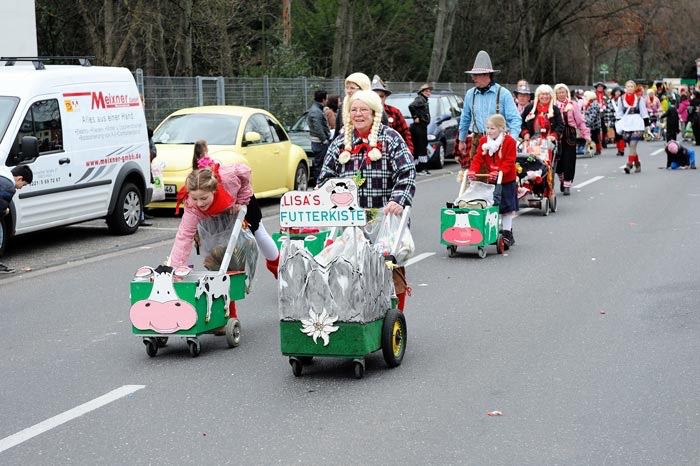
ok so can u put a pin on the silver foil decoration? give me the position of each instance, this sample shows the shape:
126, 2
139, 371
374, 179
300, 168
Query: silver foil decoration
348, 279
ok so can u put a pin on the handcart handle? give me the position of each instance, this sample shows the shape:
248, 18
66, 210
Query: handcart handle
232, 240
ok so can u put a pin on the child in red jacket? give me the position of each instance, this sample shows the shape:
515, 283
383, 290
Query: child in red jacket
496, 152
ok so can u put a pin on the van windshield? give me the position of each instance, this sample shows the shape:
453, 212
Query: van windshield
7, 109
188, 129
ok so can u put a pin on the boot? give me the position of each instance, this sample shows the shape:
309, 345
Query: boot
402, 301
620, 148
567, 188
637, 166
273, 265
630, 161
508, 238
628, 168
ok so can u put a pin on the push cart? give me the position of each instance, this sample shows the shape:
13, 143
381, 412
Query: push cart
535, 165
473, 222
178, 302
340, 305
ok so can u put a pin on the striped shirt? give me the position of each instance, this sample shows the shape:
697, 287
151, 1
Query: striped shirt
391, 178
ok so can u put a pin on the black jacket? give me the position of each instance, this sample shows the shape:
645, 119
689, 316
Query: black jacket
419, 109
7, 190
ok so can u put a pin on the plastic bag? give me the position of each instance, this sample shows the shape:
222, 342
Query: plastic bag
158, 186
214, 233
477, 192
349, 245
388, 236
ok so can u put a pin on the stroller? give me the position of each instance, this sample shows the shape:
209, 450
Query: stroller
535, 164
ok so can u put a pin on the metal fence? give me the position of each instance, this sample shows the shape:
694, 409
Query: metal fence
286, 98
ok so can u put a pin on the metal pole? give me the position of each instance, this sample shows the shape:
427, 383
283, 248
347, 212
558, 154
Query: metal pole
200, 96
266, 91
220, 91
304, 83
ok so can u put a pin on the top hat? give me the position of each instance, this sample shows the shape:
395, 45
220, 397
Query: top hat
378, 85
482, 64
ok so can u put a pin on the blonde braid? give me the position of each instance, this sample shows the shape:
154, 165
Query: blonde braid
374, 153
345, 155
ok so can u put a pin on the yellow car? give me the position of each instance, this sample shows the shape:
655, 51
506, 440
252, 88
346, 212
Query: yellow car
233, 134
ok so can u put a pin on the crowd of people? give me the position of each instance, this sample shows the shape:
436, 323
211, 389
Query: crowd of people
370, 141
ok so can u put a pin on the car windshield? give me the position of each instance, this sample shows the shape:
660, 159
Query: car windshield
301, 124
7, 109
189, 128
403, 101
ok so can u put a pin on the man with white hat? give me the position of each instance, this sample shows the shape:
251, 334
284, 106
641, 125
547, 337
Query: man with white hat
483, 100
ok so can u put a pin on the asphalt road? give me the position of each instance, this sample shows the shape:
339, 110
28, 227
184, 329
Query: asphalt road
585, 337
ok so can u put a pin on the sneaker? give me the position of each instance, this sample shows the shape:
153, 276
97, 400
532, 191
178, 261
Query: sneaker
6, 269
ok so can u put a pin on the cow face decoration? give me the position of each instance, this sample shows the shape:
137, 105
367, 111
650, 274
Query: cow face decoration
163, 311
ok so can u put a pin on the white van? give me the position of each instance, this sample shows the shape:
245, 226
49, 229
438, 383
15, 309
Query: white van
82, 130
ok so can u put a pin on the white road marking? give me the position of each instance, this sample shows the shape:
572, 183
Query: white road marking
418, 258
160, 228
623, 166
658, 151
587, 182
40, 428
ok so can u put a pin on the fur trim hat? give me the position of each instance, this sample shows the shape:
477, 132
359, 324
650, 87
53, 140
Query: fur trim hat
482, 64
562, 86
599, 83
375, 103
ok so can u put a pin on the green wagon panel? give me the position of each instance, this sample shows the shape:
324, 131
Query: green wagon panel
490, 234
185, 290
351, 340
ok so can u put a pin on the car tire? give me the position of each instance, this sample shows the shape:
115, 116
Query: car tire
301, 178
126, 216
439, 160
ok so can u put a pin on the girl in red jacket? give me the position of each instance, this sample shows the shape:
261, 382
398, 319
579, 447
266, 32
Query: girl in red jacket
496, 152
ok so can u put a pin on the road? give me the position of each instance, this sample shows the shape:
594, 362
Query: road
584, 336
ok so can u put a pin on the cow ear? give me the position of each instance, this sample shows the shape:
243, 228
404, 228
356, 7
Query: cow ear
181, 271
143, 272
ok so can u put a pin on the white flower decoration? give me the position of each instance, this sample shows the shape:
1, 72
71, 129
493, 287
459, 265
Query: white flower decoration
320, 325
344, 157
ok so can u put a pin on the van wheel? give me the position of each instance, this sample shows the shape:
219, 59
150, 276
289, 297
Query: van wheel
125, 218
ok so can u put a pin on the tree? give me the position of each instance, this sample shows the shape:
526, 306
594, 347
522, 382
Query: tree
441, 39
342, 45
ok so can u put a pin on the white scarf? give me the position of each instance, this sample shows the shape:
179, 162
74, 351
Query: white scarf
492, 145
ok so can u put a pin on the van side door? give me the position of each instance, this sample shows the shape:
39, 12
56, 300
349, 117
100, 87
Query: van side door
47, 200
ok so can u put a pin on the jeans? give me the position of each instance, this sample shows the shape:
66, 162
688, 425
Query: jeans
319, 151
